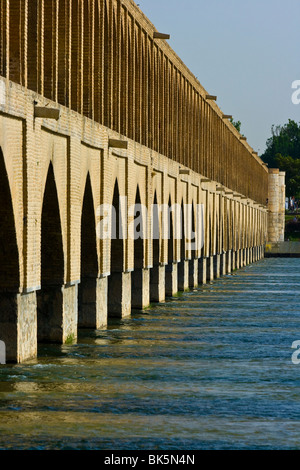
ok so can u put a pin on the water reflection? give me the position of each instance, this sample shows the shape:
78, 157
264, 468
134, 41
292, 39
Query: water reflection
211, 370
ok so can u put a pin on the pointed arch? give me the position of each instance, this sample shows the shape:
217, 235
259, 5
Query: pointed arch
139, 235
9, 253
115, 280
183, 234
50, 297
193, 233
155, 232
87, 294
89, 258
170, 233
117, 242
52, 255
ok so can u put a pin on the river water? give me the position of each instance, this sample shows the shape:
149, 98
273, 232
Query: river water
209, 370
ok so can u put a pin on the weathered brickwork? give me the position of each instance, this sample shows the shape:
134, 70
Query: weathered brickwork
100, 59
98, 64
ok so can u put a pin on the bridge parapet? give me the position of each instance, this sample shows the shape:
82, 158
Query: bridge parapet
100, 58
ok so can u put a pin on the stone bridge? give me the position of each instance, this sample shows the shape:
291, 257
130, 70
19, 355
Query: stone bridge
96, 110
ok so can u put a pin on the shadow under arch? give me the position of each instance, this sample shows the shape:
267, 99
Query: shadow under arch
119, 293
50, 297
9, 253
87, 289
172, 266
157, 273
182, 265
140, 276
9, 268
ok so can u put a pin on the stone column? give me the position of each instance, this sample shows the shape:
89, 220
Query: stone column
276, 205
119, 295
157, 284
223, 264
233, 263
140, 288
18, 326
92, 308
57, 313
171, 279
202, 271
229, 261
183, 275
216, 266
210, 269
193, 273
238, 259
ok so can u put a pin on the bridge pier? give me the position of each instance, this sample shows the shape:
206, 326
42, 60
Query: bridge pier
202, 271
248, 256
157, 284
92, 303
193, 273
57, 313
183, 275
233, 260
18, 325
210, 269
119, 295
217, 266
229, 262
140, 288
171, 279
223, 264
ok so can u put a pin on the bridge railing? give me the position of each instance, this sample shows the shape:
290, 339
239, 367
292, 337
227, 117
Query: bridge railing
101, 59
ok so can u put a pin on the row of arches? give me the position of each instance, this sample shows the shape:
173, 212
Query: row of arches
50, 296
99, 58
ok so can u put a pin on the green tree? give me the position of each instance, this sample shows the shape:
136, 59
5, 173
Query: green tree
283, 152
236, 124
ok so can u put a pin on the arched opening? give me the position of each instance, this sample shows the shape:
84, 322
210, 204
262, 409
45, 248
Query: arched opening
50, 297
193, 234
170, 233
9, 267
193, 263
115, 280
138, 277
157, 276
182, 265
171, 268
87, 294
9, 255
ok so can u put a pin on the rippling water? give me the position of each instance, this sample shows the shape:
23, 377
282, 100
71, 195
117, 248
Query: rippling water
210, 370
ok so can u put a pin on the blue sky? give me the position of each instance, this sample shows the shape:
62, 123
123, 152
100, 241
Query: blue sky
245, 52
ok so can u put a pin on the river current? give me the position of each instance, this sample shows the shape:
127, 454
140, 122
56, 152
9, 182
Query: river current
211, 369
